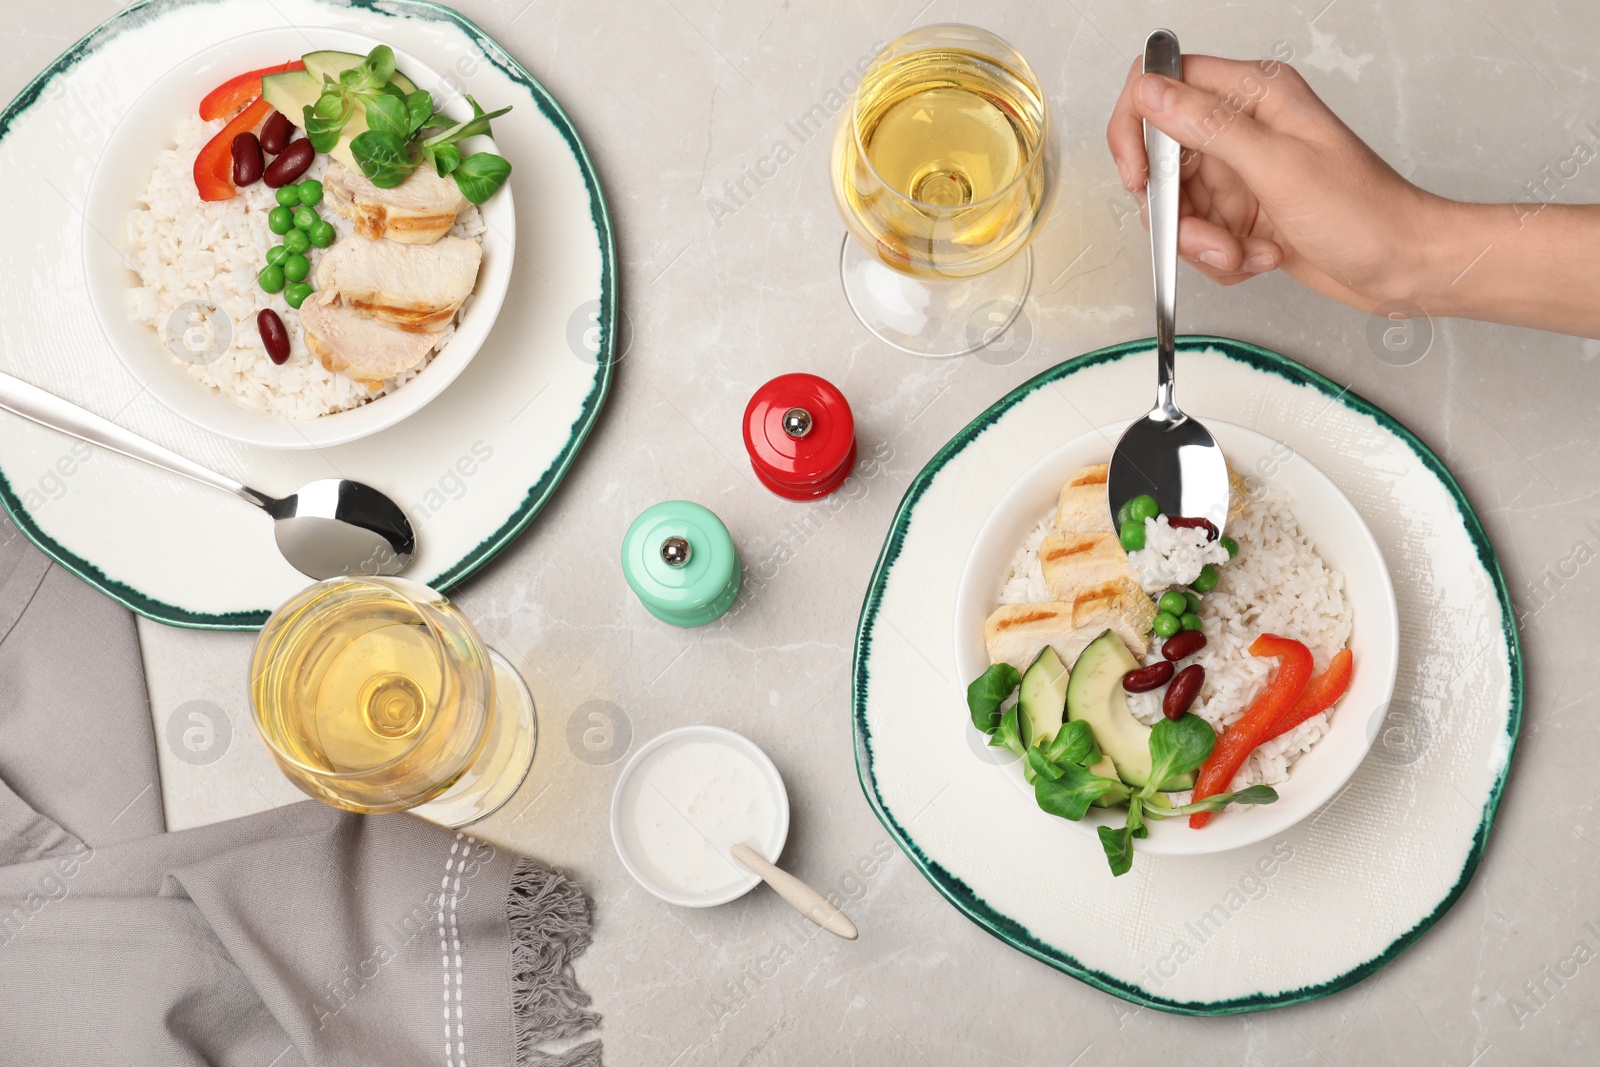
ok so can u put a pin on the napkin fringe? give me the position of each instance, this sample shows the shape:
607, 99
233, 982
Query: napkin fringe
549, 920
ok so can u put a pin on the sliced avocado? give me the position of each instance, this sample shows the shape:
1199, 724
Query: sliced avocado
295, 90
1042, 701
1095, 695
334, 63
291, 92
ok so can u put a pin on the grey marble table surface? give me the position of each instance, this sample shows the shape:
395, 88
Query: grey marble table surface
728, 248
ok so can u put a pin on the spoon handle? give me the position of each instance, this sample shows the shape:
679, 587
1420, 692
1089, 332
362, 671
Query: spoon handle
47, 409
807, 901
1163, 56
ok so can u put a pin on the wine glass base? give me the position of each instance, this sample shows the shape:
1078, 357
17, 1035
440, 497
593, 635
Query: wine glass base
507, 754
933, 318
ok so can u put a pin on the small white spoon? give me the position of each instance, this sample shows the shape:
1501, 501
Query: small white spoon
801, 897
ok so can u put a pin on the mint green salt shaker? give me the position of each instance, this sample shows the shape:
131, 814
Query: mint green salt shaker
680, 561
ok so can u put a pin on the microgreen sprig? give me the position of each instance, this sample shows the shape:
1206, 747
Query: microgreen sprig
403, 130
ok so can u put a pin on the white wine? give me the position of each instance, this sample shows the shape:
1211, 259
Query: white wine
371, 696
941, 165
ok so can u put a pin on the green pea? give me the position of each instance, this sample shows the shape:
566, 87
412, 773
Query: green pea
305, 218
297, 241
1143, 507
280, 220
1166, 624
271, 279
1124, 515
1231, 545
1132, 536
296, 267
1189, 621
275, 255
310, 191
296, 293
1172, 603
1207, 579
289, 196
322, 234
1192, 601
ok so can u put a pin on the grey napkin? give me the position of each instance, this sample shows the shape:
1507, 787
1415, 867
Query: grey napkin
302, 936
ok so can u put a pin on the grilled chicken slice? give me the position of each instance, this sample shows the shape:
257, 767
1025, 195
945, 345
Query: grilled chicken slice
1119, 606
1082, 508
1079, 562
418, 288
1016, 633
418, 211
369, 350
1085, 554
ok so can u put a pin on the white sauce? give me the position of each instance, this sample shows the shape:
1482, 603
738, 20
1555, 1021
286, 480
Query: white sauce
686, 804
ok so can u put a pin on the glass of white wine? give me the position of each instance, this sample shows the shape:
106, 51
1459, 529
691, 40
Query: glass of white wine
944, 168
377, 695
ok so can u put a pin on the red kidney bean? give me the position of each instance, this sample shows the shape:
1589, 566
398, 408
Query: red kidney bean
1183, 644
273, 335
1197, 524
1144, 679
1184, 688
247, 161
275, 132
290, 164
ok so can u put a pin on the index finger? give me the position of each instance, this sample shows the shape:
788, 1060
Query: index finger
1125, 134
1244, 81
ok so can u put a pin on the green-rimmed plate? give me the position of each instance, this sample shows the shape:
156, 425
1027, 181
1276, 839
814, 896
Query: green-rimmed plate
472, 468
1300, 915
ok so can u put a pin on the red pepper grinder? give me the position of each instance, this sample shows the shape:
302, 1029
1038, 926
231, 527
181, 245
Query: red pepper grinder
801, 436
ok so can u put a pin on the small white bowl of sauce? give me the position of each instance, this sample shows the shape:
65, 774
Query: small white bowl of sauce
683, 800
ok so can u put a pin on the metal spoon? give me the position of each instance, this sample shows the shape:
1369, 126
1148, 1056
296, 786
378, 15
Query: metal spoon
1167, 454
330, 527
799, 896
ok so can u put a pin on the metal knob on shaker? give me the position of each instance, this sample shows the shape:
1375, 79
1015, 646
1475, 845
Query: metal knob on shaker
680, 561
801, 436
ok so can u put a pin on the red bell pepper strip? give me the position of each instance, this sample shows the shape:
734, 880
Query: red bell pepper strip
213, 167
236, 94
1319, 696
1252, 728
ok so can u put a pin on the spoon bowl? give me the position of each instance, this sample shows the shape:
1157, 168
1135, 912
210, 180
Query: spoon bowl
1167, 455
1176, 461
329, 528
338, 527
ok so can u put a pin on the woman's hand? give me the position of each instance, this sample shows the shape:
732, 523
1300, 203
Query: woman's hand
1271, 178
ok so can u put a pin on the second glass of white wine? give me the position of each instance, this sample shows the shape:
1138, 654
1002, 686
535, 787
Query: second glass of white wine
377, 695
944, 167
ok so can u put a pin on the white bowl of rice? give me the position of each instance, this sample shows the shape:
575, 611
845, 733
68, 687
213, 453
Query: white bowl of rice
1308, 568
173, 278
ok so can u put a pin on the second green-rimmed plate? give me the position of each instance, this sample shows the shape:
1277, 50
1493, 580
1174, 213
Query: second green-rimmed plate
1303, 914
472, 468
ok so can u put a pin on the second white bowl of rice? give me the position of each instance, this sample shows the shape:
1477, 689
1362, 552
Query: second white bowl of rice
1308, 568
173, 278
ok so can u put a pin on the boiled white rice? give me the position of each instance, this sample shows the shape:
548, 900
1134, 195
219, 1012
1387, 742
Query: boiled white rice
1277, 584
1173, 555
186, 249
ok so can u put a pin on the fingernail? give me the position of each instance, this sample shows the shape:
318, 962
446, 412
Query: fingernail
1259, 262
1212, 258
1155, 92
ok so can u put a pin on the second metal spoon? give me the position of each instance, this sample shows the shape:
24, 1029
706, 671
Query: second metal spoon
330, 527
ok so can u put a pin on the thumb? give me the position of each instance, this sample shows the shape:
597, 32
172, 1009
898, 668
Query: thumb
1202, 122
